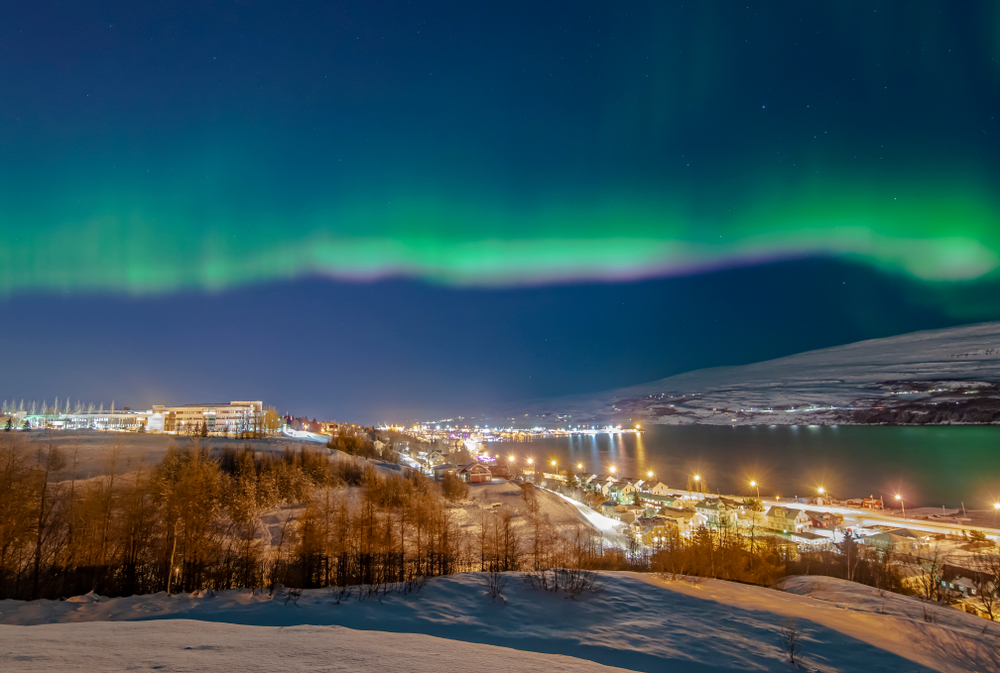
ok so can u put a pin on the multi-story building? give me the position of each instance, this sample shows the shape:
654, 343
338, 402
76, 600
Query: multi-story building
786, 520
718, 512
220, 418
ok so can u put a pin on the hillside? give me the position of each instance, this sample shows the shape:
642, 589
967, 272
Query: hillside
566, 516
941, 376
633, 622
91, 453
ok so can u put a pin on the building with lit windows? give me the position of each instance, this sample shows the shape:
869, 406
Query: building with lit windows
223, 418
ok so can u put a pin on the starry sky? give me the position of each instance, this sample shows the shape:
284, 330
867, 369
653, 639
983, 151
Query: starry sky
358, 210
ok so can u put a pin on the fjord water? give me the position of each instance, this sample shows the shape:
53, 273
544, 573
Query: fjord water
927, 465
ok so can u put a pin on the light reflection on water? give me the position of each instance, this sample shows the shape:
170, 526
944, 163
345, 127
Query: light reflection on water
927, 465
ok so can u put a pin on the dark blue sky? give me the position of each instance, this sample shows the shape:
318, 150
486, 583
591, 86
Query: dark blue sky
395, 350
375, 211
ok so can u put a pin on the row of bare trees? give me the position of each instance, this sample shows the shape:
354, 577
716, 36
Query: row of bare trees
723, 553
248, 520
192, 522
304, 519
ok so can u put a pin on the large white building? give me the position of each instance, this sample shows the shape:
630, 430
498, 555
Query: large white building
229, 418
220, 418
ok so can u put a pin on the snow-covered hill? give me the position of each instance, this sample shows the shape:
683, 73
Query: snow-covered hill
938, 376
635, 622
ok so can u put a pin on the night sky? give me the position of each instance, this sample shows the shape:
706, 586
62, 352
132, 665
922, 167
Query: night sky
377, 211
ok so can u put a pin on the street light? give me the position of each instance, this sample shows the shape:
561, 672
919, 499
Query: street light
753, 483
901, 504
650, 474
611, 469
579, 466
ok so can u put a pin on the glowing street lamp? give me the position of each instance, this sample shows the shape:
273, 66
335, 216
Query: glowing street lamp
650, 474
530, 461
579, 466
694, 484
510, 459
753, 484
901, 504
611, 469
821, 490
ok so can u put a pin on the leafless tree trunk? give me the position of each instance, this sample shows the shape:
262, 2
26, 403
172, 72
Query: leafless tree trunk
790, 639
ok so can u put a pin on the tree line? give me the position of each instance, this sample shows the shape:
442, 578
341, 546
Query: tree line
245, 519
250, 520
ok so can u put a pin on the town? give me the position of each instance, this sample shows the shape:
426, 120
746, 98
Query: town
933, 553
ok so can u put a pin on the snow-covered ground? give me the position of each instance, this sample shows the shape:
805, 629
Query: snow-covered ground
565, 514
305, 436
92, 452
635, 622
187, 645
822, 385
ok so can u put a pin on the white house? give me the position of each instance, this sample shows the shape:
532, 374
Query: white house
659, 488
786, 520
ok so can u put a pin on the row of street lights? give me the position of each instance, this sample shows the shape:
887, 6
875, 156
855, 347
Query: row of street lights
579, 466
697, 477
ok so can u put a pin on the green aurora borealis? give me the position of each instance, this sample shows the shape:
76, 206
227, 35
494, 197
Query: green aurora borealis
934, 235
612, 146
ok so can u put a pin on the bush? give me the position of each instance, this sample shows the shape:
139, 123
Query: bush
453, 488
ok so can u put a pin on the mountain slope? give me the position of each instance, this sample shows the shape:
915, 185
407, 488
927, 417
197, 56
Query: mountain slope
937, 376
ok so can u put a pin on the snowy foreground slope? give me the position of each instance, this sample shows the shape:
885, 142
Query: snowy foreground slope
636, 622
949, 372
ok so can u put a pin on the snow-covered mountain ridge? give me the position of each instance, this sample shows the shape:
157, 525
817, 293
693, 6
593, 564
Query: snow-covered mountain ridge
939, 376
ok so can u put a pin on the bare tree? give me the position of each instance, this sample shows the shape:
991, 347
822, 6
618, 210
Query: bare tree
790, 639
496, 582
50, 461
986, 580
931, 564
